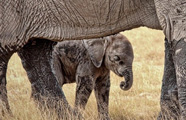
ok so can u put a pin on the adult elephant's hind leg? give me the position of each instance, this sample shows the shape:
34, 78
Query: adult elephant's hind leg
5, 54
36, 60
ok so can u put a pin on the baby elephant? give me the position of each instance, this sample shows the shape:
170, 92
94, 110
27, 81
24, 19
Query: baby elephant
88, 63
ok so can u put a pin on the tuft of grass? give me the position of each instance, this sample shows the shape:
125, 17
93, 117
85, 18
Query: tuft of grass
141, 102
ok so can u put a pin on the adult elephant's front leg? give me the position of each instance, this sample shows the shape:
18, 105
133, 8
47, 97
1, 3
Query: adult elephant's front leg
169, 102
180, 66
102, 89
36, 60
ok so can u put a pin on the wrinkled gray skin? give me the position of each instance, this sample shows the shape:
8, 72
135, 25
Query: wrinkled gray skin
27, 25
88, 63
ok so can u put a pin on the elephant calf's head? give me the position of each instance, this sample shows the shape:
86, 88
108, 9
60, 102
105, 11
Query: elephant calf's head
119, 57
116, 53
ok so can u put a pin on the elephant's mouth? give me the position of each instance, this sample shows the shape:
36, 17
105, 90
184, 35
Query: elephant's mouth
118, 73
122, 74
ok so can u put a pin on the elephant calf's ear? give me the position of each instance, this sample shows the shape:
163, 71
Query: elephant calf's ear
96, 50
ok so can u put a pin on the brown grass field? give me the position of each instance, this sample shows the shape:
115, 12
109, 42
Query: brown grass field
141, 102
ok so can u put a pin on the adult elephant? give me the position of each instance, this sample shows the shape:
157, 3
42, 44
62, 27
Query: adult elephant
29, 27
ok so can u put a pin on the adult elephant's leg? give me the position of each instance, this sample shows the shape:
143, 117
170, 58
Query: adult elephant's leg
5, 54
180, 66
102, 88
36, 60
4, 105
169, 101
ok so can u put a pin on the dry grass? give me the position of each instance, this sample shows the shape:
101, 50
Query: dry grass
139, 103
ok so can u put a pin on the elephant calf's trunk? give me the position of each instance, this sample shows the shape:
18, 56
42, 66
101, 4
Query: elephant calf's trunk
127, 84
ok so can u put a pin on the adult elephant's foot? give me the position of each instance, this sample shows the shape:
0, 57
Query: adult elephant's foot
183, 116
104, 117
36, 60
169, 97
4, 105
180, 66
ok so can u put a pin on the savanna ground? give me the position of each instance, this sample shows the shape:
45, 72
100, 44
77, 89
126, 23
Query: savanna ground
141, 102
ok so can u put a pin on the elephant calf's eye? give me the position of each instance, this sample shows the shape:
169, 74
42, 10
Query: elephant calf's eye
116, 58
121, 63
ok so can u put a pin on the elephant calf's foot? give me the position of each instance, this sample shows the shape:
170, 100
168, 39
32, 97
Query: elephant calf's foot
56, 106
79, 114
104, 117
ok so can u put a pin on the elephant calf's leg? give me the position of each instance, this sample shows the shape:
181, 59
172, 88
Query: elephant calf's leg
102, 88
36, 60
5, 55
83, 91
180, 66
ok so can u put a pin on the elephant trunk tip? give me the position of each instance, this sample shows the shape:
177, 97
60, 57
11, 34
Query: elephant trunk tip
124, 86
